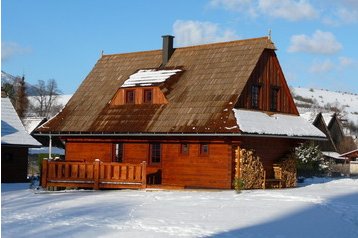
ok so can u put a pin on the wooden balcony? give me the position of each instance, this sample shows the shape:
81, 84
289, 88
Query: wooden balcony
96, 175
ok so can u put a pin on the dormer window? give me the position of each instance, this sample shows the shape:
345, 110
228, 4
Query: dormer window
130, 96
147, 95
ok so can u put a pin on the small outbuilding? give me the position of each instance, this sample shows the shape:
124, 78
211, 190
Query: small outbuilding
15, 142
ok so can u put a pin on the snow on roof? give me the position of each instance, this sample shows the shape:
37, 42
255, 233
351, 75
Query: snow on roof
148, 77
311, 116
12, 130
255, 122
333, 155
31, 123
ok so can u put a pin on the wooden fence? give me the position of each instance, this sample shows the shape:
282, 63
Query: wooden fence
96, 175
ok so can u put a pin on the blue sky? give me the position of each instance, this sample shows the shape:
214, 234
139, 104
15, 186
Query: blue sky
316, 39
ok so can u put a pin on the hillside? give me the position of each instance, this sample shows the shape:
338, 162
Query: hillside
311, 101
10, 79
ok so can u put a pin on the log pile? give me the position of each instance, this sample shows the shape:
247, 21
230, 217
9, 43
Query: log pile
251, 170
289, 173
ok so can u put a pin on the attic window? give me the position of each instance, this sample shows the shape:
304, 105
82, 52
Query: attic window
130, 96
149, 77
255, 96
148, 96
274, 98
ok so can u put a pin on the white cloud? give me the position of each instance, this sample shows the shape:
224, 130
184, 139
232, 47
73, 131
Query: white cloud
196, 32
293, 10
345, 61
319, 43
322, 67
288, 9
11, 49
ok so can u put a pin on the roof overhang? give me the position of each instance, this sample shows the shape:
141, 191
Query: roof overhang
161, 134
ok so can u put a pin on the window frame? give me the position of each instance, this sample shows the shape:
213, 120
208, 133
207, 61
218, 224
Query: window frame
182, 151
203, 152
118, 154
274, 96
155, 153
145, 99
132, 98
255, 96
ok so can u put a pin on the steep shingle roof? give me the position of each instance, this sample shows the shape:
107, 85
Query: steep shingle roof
12, 130
201, 100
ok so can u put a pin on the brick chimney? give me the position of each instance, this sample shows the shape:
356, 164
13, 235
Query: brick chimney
168, 49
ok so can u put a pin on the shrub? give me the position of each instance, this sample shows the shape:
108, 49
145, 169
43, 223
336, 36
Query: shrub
310, 161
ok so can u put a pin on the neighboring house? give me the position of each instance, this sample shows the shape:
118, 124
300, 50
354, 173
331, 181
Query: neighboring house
343, 142
331, 125
15, 142
325, 145
185, 111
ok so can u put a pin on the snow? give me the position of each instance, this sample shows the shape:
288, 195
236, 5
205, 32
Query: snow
333, 155
12, 130
347, 102
31, 123
148, 77
319, 208
60, 99
256, 122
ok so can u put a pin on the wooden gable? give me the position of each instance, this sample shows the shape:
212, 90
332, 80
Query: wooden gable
321, 125
266, 89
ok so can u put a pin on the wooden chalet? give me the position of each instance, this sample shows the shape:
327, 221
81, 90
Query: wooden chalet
185, 112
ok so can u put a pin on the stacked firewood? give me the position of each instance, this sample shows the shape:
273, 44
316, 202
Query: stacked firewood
289, 174
251, 170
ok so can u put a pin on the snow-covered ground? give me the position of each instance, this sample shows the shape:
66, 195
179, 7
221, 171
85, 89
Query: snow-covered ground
347, 102
319, 208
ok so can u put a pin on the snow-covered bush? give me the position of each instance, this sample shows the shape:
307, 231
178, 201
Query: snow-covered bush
310, 161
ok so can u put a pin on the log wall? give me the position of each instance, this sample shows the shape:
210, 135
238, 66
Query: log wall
192, 170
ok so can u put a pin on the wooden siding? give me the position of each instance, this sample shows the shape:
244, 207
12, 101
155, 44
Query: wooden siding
13, 164
268, 75
157, 96
85, 151
270, 150
195, 170
192, 170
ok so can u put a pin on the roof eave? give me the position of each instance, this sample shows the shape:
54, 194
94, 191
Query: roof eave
158, 134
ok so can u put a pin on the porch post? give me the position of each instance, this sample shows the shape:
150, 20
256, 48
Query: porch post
50, 148
144, 174
44, 173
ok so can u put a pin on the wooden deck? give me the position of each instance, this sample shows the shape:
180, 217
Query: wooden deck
96, 175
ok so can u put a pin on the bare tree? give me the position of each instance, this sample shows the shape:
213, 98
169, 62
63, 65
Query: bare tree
45, 104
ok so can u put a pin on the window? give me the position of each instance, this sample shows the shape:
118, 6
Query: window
184, 149
255, 96
148, 96
274, 98
130, 96
118, 154
155, 153
204, 149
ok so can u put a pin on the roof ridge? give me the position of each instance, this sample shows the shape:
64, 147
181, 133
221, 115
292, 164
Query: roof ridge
193, 46
227, 42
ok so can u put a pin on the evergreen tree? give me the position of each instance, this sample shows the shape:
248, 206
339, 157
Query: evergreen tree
21, 101
310, 160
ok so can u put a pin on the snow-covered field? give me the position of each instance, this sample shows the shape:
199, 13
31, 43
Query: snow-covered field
347, 102
319, 208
